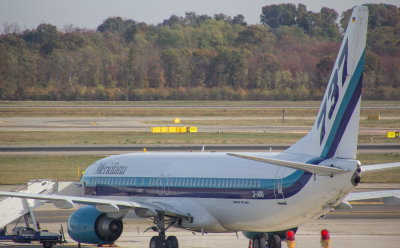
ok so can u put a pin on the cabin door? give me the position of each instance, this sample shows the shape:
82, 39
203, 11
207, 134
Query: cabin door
278, 186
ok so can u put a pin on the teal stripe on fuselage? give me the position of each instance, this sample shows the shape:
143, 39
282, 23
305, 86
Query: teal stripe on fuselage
347, 98
192, 182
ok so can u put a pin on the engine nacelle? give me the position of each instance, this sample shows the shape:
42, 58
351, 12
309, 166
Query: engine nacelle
88, 225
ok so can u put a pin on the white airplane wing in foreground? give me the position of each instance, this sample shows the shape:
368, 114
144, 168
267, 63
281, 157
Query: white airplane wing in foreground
104, 205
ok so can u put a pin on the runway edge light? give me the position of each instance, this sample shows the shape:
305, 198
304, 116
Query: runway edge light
325, 239
290, 240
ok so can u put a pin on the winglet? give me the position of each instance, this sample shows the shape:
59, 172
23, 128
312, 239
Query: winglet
314, 169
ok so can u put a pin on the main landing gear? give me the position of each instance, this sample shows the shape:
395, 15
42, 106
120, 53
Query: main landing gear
161, 241
267, 241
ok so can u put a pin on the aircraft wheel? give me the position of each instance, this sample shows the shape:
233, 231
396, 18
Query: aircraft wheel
156, 242
173, 242
47, 244
274, 241
259, 242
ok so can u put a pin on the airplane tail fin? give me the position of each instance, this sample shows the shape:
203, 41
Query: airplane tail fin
335, 130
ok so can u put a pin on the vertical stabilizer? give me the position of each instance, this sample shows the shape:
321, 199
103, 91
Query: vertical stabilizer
335, 130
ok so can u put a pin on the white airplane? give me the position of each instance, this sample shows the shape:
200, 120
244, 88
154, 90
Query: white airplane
260, 194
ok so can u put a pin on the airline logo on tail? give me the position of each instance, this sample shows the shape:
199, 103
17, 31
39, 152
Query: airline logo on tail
335, 130
333, 92
351, 88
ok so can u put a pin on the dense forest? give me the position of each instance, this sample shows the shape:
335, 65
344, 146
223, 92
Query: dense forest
288, 56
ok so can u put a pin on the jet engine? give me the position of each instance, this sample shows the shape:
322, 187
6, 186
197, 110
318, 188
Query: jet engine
88, 225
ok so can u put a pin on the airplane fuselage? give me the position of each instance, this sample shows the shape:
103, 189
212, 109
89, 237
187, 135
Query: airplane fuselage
223, 193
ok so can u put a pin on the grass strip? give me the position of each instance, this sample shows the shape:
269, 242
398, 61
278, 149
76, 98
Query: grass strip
12, 138
174, 111
98, 137
20, 169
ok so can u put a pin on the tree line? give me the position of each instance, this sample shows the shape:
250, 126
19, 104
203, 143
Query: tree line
288, 56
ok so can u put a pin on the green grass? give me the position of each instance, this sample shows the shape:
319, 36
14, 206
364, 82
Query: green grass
20, 169
98, 137
387, 123
121, 137
163, 103
364, 104
120, 111
144, 112
174, 108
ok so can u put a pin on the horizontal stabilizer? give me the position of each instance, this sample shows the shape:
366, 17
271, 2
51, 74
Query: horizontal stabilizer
315, 169
374, 167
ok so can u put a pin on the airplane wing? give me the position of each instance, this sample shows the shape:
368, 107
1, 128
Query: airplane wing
314, 169
104, 205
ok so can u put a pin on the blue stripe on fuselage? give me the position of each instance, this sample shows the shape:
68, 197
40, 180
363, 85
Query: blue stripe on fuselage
229, 188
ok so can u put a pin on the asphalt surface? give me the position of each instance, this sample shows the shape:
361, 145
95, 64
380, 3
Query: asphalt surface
162, 148
360, 210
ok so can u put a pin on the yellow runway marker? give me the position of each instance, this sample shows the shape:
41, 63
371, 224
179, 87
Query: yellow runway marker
93, 123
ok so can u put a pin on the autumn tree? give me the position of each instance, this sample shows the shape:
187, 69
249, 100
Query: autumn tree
278, 15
